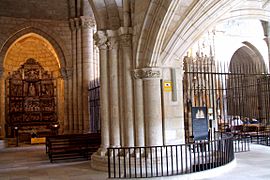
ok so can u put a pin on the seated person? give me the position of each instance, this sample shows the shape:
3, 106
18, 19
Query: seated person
227, 128
237, 121
34, 134
254, 121
246, 120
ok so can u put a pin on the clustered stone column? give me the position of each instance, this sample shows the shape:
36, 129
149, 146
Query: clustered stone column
88, 25
115, 71
73, 87
78, 85
130, 100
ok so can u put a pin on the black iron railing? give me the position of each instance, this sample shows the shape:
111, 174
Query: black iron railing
241, 142
261, 137
157, 161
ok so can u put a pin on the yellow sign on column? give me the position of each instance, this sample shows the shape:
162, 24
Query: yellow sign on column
167, 86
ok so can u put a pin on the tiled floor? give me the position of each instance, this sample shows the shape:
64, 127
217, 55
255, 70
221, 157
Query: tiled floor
27, 163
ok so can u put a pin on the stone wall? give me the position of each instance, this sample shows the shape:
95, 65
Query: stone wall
32, 9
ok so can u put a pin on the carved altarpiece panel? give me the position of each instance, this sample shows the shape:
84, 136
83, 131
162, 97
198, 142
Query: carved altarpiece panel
31, 97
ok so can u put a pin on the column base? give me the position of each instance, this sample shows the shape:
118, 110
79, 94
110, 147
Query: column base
99, 161
3, 143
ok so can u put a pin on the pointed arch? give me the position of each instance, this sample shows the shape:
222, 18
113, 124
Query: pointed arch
23, 30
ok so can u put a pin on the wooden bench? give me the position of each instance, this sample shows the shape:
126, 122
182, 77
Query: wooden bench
72, 146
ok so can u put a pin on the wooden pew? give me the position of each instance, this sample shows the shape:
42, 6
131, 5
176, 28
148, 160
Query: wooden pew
72, 146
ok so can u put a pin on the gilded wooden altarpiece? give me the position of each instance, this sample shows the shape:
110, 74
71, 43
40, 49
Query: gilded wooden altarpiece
31, 97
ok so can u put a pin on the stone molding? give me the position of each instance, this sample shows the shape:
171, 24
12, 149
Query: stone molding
147, 73
66, 73
87, 22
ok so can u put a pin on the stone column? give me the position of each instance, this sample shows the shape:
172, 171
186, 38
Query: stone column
114, 89
152, 106
2, 102
69, 99
121, 91
96, 64
60, 103
63, 76
66, 74
88, 24
138, 111
128, 121
101, 42
266, 28
79, 75
73, 82
267, 40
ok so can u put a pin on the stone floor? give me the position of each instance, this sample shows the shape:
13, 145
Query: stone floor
27, 163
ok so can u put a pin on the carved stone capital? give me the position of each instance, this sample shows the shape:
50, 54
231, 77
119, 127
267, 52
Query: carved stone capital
113, 39
77, 22
72, 24
125, 40
147, 73
101, 40
88, 22
112, 43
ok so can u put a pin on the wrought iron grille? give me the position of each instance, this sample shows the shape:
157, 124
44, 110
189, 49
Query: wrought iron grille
94, 104
236, 97
157, 161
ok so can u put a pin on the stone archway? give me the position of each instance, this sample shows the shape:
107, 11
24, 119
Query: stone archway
245, 89
32, 46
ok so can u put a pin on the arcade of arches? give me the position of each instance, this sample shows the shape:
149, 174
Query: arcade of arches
130, 48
